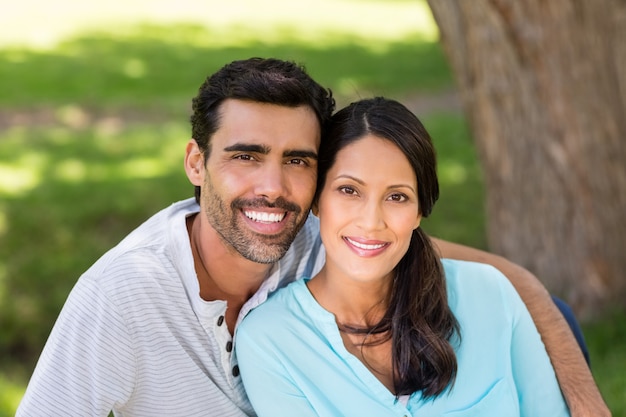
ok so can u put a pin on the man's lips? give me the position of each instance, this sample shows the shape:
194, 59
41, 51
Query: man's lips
264, 216
266, 222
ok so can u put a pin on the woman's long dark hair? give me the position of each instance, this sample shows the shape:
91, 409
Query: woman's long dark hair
418, 319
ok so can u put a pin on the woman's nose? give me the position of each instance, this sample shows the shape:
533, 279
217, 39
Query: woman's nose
371, 216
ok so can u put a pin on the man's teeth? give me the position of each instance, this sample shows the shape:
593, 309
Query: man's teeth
259, 216
364, 246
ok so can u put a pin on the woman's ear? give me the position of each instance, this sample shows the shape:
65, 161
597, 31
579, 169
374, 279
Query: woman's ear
194, 163
418, 220
315, 208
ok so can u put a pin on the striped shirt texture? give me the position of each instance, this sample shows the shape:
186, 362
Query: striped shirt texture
135, 337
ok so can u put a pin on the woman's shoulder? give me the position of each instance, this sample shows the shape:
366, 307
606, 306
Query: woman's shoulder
458, 271
472, 284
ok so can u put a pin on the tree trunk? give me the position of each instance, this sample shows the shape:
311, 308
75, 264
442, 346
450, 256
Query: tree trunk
543, 84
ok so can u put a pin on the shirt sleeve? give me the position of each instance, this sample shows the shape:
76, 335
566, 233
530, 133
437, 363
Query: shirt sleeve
87, 365
270, 388
538, 389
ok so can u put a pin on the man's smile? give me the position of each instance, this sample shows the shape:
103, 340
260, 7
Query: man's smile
265, 217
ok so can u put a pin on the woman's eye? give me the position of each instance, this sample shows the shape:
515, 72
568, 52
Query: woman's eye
347, 190
398, 197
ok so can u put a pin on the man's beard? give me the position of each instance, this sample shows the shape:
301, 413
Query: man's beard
256, 247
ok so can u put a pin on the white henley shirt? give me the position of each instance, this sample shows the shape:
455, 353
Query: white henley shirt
135, 337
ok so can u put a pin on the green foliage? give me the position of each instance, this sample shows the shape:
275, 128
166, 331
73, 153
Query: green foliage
87, 191
10, 394
459, 214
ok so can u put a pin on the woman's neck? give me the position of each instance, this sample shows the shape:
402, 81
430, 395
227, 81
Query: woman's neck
355, 304
358, 307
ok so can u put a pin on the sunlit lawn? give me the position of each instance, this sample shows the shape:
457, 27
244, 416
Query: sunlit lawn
94, 105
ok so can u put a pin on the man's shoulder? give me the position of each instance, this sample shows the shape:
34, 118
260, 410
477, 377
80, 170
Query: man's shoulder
162, 222
308, 235
147, 248
303, 257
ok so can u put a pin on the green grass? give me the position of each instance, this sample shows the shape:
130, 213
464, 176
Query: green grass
105, 151
606, 340
104, 72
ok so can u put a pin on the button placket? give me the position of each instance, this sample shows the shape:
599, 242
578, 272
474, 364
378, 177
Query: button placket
224, 339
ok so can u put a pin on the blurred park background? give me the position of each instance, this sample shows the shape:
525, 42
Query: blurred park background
94, 108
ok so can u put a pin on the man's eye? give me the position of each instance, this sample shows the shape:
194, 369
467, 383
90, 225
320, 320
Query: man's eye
298, 161
244, 157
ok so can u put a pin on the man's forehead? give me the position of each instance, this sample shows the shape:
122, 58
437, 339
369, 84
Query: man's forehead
271, 127
236, 104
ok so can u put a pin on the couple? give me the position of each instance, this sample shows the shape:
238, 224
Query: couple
148, 329
386, 328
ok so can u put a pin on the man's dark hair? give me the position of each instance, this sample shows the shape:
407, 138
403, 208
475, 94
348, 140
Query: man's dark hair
262, 80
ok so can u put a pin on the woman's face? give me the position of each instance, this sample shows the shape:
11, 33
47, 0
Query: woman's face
368, 209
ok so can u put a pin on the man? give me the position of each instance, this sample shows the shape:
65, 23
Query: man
148, 329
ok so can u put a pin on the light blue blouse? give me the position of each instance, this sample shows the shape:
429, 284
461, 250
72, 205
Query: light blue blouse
293, 361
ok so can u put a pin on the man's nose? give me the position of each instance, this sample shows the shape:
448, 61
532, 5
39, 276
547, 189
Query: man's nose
271, 182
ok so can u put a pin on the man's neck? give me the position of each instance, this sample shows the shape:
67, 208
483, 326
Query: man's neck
222, 273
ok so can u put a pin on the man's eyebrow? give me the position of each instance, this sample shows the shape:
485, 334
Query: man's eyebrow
264, 150
301, 154
247, 147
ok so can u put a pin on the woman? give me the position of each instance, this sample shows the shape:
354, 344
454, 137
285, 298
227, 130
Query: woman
385, 328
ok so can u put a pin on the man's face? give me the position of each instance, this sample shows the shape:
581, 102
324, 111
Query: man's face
260, 177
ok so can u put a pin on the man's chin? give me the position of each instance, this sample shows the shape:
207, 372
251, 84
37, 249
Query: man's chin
263, 248
268, 254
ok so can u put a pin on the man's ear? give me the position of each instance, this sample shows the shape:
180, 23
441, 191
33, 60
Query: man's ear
194, 163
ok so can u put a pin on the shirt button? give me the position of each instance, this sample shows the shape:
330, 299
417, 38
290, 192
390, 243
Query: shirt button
236, 371
229, 346
220, 320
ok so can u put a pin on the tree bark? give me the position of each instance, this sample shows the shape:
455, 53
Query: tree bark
543, 84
